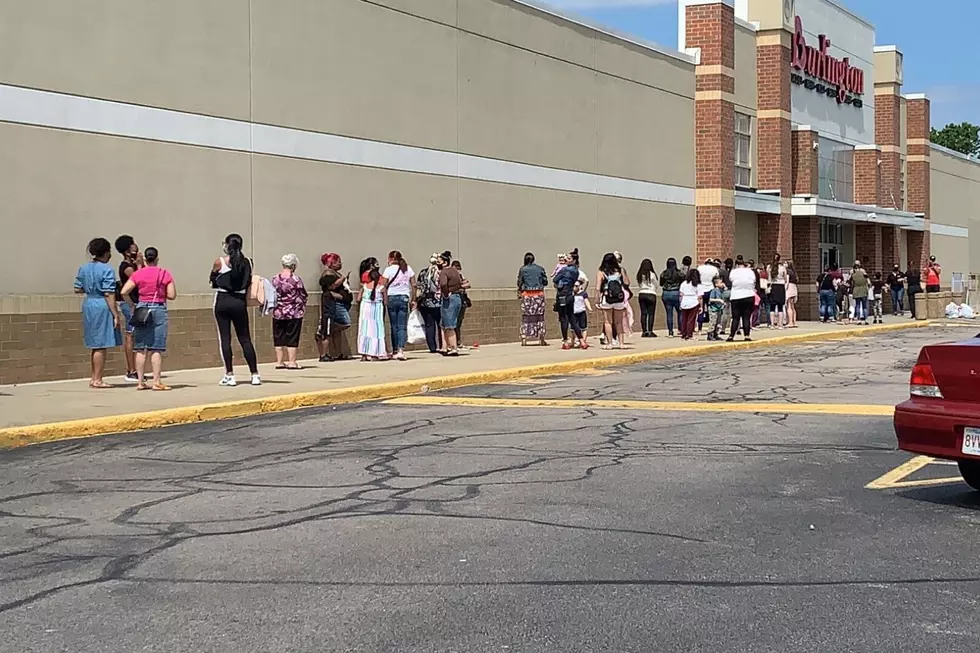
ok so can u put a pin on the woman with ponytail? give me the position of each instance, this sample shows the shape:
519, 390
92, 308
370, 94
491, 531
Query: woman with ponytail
371, 313
399, 279
231, 277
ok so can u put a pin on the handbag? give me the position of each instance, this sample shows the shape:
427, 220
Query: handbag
143, 315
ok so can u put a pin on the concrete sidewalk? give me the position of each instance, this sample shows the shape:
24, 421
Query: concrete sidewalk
65, 409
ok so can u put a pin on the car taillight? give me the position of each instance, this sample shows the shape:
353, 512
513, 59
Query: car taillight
923, 382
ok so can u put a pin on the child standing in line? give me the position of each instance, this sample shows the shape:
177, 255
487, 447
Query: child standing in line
877, 293
719, 301
581, 308
845, 301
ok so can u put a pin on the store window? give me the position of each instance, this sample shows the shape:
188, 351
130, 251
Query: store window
836, 170
743, 150
901, 200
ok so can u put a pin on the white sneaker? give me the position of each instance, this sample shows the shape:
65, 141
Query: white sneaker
615, 342
229, 380
256, 379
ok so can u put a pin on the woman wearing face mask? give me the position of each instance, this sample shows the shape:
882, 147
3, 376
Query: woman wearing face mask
371, 313
156, 287
231, 277
451, 285
335, 303
430, 304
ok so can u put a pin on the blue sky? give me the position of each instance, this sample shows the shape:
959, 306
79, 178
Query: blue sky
938, 37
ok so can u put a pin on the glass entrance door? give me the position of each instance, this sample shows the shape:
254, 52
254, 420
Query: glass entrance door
831, 240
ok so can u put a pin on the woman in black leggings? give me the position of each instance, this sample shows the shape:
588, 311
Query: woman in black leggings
743, 298
231, 276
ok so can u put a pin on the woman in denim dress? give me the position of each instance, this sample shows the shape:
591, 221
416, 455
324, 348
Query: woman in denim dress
100, 314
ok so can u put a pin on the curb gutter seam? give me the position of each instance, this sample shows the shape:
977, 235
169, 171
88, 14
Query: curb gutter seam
19, 436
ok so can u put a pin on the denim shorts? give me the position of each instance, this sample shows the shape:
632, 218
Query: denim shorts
153, 336
127, 314
450, 311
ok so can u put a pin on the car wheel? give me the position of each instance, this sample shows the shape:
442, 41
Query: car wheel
970, 470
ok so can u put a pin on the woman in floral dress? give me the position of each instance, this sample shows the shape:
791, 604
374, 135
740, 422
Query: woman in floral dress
371, 315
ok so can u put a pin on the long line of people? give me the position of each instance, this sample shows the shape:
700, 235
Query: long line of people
691, 296
131, 310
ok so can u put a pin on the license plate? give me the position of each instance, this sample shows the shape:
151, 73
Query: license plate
971, 441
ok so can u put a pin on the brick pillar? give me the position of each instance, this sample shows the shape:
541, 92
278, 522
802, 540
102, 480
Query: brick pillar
805, 164
888, 123
775, 138
867, 245
917, 175
711, 28
806, 260
890, 254
867, 175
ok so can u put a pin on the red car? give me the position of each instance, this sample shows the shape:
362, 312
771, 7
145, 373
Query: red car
942, 416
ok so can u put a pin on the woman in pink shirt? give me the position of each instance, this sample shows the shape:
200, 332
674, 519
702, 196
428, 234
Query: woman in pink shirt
156, 287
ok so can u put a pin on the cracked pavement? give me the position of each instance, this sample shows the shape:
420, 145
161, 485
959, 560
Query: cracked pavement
433, 529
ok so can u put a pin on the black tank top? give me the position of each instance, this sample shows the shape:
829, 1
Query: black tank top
123, 278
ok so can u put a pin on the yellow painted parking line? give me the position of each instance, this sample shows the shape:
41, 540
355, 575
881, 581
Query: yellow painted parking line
893, 479
864, 410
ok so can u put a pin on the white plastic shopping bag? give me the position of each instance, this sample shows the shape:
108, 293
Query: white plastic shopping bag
416, 329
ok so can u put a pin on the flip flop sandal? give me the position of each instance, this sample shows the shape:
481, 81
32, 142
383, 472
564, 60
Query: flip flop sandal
101, 385
142, 386
159, 387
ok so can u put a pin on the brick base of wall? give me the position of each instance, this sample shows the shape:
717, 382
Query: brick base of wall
48, 346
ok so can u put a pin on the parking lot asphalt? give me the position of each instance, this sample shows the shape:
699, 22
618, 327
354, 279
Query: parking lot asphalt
433, 528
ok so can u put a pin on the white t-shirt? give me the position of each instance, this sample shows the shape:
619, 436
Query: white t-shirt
580, 302
743, 283
708, 273
399, 283
690, 297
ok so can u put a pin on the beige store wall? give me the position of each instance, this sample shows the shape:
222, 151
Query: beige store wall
955, 191
191, 55
509, 82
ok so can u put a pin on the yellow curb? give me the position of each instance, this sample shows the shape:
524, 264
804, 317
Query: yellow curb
18, 436
861, 410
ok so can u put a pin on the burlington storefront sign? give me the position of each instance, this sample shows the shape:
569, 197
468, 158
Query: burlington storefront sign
825, 74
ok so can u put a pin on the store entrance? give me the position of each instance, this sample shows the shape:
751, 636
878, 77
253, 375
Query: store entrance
831, 242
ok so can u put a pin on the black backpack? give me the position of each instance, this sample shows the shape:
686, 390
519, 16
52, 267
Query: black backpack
614, 292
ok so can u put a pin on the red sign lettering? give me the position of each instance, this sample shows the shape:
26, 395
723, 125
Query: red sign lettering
815, 62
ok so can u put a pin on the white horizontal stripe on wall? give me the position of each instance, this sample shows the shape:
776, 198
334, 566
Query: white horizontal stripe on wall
62, 111
949, 230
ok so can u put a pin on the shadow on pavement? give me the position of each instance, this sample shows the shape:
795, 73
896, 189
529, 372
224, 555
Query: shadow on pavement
958, 495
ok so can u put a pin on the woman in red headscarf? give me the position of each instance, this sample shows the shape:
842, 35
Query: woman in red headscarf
335, 303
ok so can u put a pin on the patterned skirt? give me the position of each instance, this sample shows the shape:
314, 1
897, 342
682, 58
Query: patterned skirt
532, 316
371, 328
